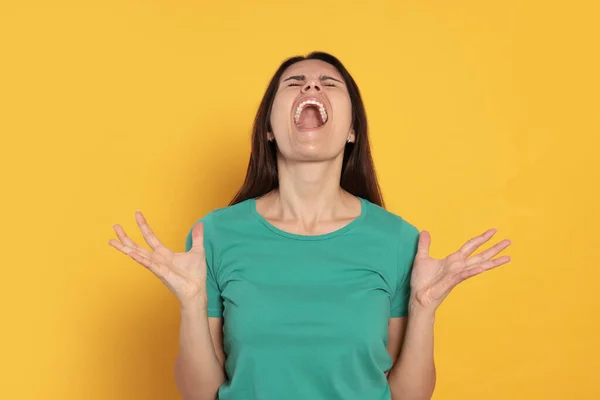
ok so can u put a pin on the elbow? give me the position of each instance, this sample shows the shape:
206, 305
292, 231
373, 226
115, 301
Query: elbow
190, 388
405, 396
423, 391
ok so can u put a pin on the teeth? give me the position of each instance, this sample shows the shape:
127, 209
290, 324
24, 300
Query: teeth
313, 102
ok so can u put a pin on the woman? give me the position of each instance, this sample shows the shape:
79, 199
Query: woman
305, 287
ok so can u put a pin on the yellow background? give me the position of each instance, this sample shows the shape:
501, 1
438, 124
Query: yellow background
482, 114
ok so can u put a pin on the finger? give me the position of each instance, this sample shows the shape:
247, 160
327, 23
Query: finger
146, 262
120, 246
127, 250
489, 264
147, 233
478, 268
467, 273
198, 237
489, 253
471, 245
126, 240
423, 244
128, 243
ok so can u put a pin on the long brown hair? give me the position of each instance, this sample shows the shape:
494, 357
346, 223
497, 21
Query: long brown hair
358, 171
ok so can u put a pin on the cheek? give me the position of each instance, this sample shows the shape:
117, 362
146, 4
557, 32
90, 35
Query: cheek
280, 112
343, 112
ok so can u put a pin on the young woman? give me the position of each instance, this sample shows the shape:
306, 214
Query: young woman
305, 287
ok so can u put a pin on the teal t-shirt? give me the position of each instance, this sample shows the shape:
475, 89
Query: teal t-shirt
306, 317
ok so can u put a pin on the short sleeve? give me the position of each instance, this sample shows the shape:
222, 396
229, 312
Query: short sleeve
407, 250
213, 292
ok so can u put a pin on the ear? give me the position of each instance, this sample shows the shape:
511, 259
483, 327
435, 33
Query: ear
351, 136
270, 137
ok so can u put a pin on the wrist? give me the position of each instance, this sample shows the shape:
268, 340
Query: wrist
194, 305
416, 309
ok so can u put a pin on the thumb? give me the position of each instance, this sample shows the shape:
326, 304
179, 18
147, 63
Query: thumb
423, 244
198, 237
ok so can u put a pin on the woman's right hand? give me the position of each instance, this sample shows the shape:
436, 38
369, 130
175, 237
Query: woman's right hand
183, 273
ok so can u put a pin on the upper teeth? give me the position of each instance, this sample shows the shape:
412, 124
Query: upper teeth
314, 102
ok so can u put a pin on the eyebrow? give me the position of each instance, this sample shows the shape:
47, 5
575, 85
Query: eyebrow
303, 77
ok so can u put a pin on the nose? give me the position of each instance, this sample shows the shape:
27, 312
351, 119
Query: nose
311, 85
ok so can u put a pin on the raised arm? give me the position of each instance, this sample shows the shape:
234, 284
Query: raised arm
199, 368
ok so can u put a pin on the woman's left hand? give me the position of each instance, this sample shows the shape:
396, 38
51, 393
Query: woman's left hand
433, 279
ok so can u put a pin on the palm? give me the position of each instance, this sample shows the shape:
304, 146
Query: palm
433, 279
184, 274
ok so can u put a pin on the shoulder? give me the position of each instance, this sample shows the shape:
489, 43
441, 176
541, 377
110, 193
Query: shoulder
390, 223
223, 217
220, 218
396, 237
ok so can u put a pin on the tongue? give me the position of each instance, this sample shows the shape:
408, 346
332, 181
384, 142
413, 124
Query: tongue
309, 119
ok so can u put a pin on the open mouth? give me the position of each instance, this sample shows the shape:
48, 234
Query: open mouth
310, 114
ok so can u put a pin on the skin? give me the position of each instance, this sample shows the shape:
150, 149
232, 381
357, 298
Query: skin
309, 201
413, 375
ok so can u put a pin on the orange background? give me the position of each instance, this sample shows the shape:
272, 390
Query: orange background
483, 114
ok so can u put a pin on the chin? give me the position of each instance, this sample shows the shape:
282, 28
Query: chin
312, 145
310, 136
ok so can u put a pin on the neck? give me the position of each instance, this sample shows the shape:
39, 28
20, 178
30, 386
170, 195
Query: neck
309, 191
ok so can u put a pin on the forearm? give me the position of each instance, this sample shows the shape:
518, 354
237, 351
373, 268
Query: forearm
198, 372
413, 375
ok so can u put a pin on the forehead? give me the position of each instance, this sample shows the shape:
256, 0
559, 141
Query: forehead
311, 68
